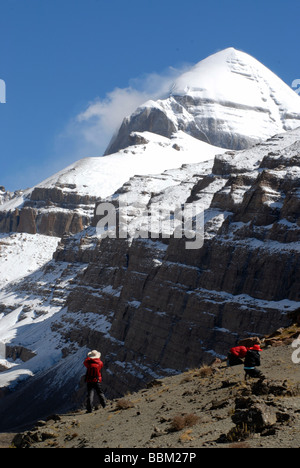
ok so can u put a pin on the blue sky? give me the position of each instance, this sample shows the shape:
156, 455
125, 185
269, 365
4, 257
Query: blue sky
73, 68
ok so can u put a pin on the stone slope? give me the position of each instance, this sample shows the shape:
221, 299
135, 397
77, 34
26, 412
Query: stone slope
196, 409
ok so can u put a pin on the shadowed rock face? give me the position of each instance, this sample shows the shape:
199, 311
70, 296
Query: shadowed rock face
6, 195
158, 120
155, 120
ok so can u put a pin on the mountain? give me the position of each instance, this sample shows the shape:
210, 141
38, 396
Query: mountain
151, 305
229, 100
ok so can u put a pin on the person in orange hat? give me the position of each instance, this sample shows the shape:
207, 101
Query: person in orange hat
93, 379
252, 360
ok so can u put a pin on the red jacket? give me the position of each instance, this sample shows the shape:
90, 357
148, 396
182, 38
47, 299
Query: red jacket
239, 351
94, 367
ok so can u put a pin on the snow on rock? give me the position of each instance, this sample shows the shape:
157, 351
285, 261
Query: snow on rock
5, 195
22, 258
229, 100
21, 254
65, 202
102, 176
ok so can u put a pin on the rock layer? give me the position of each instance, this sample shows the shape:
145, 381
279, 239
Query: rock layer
49, 211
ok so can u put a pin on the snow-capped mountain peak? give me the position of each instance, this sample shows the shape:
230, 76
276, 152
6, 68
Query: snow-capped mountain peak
229, 100
236, 77
65, 294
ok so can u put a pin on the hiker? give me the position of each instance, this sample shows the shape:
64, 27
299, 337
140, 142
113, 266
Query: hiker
93, 379
252, 360
236, 355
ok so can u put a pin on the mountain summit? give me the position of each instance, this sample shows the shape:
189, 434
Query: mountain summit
229, 100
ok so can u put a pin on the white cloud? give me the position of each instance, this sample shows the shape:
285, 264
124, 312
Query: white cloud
89, 132
103, 117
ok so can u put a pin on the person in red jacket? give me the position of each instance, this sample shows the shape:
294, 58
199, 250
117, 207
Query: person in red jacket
236, 355
93, 379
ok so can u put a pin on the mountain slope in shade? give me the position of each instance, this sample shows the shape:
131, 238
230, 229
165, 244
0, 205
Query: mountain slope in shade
229, 100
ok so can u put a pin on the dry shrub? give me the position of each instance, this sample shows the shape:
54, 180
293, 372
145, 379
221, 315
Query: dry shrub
180, 421
71, 436
205, 371
202, 372
123, 404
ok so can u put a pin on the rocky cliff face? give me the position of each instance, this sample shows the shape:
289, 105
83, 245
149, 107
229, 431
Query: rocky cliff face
48, 211
153, 307
167, 307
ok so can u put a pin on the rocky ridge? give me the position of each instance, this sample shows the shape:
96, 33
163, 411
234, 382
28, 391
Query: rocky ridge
47, 211
64, 203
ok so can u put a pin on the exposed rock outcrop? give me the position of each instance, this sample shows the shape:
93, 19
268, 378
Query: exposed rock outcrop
5, 195
49, 211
